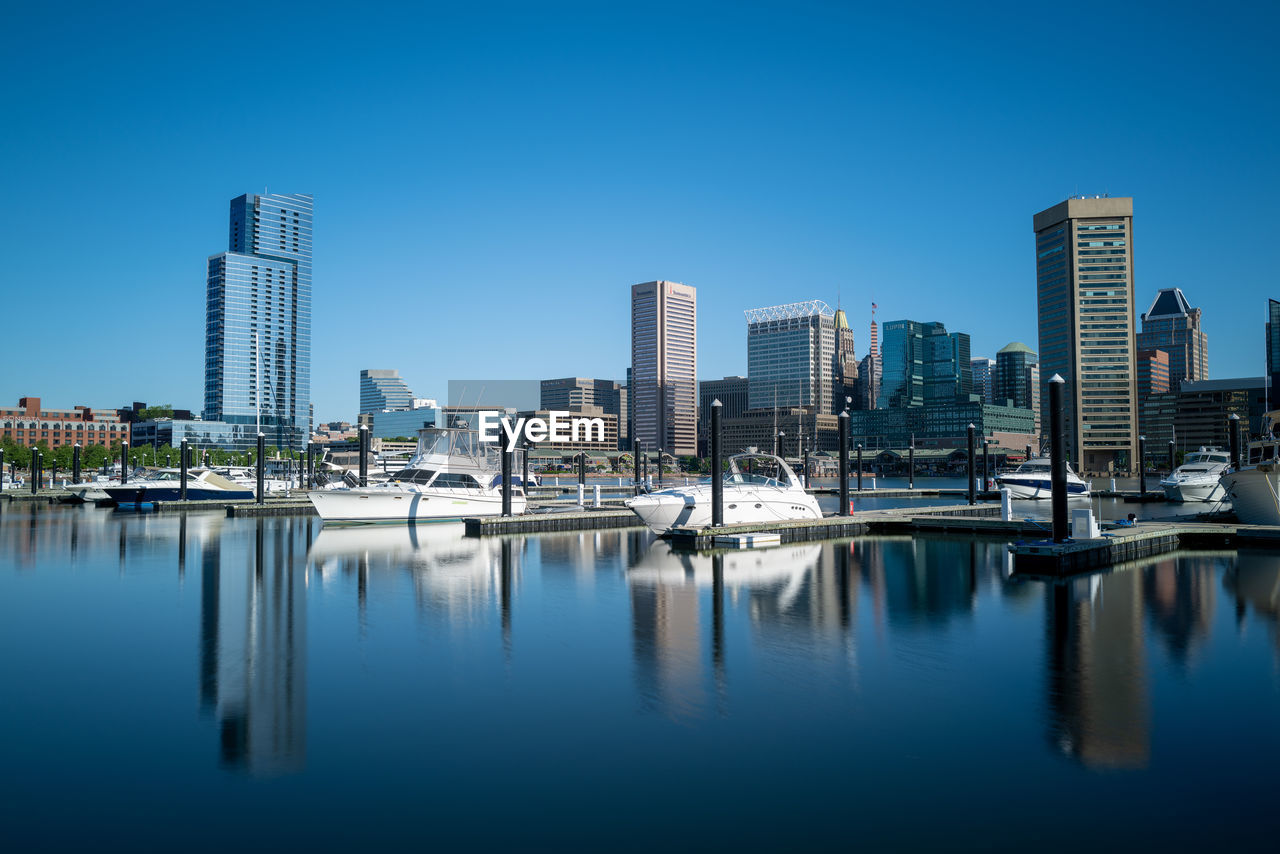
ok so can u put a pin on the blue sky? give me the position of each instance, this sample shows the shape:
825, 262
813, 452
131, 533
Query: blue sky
490, 179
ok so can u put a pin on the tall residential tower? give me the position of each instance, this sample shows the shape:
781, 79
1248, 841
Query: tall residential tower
663, 389
1172, 325
258, 323
1084, 286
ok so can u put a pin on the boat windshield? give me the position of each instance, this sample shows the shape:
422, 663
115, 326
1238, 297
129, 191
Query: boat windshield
758, 470
1036, 466
412, 475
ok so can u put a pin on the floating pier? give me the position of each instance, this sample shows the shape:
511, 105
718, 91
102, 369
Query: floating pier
535, 523
1144, 539
831, 527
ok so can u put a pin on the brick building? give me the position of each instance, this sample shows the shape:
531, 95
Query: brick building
29, 423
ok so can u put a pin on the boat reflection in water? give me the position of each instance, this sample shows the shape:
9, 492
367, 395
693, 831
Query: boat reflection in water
253, 642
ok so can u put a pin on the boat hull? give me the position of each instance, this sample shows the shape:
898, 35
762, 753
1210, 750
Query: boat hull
127, 494
391, 506
1209, 490
1255, 494
663, 511
1034, 489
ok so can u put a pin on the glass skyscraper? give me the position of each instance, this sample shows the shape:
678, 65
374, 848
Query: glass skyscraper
258, 322
923, 364
382, 390
791, 356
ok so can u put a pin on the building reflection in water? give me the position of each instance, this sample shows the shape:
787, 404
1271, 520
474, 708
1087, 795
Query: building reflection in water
253, 647
1254, 581
1180, 596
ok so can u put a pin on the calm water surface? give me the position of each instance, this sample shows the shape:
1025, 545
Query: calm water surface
212, 683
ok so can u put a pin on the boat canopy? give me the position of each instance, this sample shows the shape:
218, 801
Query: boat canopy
761, 470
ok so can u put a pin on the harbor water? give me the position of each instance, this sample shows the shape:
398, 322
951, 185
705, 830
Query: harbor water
198, 682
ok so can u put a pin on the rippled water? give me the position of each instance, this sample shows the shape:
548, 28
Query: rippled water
212, 683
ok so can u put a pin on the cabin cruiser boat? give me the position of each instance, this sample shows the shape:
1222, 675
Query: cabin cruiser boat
1033, 478
757, 488
1199, 476
92, 490
452, 475
166, 485
1254, 489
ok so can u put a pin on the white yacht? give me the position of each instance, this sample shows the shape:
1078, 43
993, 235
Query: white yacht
757, 488
452, 475
166, 485
1032, 480
1199, 476
1254, 490
91, 490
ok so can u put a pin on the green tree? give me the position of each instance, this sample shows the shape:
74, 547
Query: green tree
150, 413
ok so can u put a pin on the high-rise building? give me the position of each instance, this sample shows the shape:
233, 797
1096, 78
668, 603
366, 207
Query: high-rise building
923, 363
1273, 354
663, 389
569, 394
867, 386
791, 356
1172, 325
1084, 286
382, 390
1015, 381
258, 323
846, 379
731, 392
983, 370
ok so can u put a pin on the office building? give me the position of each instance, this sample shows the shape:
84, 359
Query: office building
923, 363
1273, 354
866, 387
397, 423
1015, 381
732, 392
569, 392
943, 425
30, 423
258, 323
592, 440
791, 356
798, 427
383, 390
1172, 325
1084, 287
663, 388
1196, 414
983, 371
846, 368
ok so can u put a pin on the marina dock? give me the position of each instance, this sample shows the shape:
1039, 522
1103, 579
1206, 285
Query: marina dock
1144, 539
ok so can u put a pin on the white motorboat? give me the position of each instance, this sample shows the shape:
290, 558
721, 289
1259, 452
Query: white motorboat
166, 485
757, 488
1254, 489
92, 490
1199, 477
1032, 480
452, 475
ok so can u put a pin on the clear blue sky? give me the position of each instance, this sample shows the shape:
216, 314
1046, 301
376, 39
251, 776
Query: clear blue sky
491, 178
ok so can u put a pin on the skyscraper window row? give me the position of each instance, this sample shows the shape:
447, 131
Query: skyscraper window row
1107, 252
1082, 244
1102, 226
1099, 268
1102, 277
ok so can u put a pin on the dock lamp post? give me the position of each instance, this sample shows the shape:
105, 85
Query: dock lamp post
1142, 465
973, 473
844, 463
717, 476
1058, 458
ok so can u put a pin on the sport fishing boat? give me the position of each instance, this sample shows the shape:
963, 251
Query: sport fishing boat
1254, 489
452, 475
1031, 480
757, 488
1199, 477
166, 485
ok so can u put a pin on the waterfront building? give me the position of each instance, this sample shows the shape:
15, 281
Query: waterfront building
799, 426
258, 323
1153, 378
30, 423
1273, 354
732, 392
1084, 286
586, 440
923, 363
983, 374
568, 392
943, 425
1016, 380
1173, 326
664, 361
382, 390
791, 356
866, 387
1196, 414
394, 423
846, 367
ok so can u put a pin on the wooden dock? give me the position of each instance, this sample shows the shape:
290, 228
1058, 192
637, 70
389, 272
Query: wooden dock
1144, 539
536, 523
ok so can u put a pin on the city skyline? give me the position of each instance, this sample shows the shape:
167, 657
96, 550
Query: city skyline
811, 139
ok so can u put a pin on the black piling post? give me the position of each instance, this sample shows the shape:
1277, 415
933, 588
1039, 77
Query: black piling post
364, 455
124, 462
717, 476
53, 473
506, 481
35, 471
911, 464
1142, 465
1058, 458
183, 456
524, 468
973, 472
986, 464
660, 450
1233, 436
635, 467
582, 468
806, 468
262, 452
844, 462
859, 466
75, 463
1171, 458
1028, 451
2, 470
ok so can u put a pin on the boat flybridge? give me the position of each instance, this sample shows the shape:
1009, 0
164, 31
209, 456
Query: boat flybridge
1033, 479
452, 475
1199, 478
757, 488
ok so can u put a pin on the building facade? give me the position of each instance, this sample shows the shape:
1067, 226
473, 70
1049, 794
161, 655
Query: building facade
592, 441
394, 423
663, 387
611, 396
30, 423
923, 363
1084, 290
1015, 380
942, 425
732, 392
258, 321
791, 356
1273, 354
383, 390
1173, 326
1196, 414
983, 375
846, 367
798, 427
